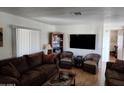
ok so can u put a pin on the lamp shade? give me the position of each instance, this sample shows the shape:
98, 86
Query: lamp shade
48, 46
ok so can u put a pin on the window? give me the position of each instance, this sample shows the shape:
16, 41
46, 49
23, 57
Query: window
27, 41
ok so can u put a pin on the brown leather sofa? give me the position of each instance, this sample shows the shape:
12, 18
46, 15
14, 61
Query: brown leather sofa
33, 69
114, 74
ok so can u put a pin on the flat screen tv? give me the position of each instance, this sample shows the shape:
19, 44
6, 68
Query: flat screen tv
82, 41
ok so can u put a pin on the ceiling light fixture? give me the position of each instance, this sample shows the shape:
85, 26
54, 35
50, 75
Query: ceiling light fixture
77, 13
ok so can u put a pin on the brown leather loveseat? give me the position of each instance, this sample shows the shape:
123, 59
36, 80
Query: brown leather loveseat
33, 69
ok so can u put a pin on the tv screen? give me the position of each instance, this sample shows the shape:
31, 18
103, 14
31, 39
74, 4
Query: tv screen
82, 41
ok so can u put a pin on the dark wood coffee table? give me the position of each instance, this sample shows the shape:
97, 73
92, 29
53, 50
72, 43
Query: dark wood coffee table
62, 78
78, 61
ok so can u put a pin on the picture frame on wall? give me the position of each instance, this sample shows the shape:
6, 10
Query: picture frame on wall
1, 37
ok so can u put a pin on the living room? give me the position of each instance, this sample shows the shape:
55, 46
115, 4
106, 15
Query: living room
79, 21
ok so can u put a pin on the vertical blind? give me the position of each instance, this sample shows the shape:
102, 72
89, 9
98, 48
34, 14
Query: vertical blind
27, 41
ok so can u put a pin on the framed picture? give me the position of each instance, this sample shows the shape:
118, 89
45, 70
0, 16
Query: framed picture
1, 37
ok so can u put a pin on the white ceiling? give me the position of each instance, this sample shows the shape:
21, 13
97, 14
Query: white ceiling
64, 15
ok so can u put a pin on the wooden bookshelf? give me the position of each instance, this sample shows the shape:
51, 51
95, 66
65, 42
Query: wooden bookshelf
56, 41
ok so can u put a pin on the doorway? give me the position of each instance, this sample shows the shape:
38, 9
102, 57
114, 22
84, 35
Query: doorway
113, 45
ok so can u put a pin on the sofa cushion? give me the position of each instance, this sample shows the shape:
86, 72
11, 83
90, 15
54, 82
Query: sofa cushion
112, 74
49, 69
66, 59
8, 80
115, 82
32, 77
49, 59
90, 62
21, 64
9, 70
65, 63
34, 59
46, 68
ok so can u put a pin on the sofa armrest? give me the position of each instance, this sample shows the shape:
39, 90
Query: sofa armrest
109, 64
50, 59
8, 81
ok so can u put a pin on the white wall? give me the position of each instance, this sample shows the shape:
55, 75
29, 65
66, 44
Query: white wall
82, 29
92, 28
7, 19
120, 44
106, 44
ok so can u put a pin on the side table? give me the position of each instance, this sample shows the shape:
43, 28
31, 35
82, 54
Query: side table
78, 61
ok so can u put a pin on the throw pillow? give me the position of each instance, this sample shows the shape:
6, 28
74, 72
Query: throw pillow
9, 70
34, 59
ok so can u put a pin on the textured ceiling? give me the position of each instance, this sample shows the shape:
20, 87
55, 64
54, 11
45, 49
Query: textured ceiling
65, 15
